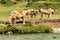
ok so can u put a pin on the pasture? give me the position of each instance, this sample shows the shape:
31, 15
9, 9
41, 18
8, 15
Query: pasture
43, 29
6, 11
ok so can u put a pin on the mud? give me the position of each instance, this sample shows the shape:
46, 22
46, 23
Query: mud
52, 23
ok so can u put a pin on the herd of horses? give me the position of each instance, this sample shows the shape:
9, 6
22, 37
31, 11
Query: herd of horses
21, 14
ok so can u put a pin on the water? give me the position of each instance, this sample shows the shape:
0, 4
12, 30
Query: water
41, 36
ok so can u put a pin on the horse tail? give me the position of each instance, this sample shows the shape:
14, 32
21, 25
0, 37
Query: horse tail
52, 12
40, 10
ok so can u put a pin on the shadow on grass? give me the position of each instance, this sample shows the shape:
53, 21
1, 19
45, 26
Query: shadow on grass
22, 22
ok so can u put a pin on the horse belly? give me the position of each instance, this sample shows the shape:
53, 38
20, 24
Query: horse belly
46, 12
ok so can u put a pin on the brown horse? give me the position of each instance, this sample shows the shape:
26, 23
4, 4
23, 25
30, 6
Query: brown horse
49, 12
30, 12
17, 15
21, 15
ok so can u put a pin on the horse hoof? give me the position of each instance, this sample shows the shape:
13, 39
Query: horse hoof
40, 18
23, 23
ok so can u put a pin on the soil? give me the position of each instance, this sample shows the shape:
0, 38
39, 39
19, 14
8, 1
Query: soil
52, 23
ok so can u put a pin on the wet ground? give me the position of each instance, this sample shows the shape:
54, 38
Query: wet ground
52, 23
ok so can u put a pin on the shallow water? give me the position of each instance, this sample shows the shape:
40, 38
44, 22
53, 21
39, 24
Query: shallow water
41, 36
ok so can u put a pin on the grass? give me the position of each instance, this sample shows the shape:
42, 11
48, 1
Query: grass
6, 17
27, 28
3, 28
44, 4
5, 10
5, 13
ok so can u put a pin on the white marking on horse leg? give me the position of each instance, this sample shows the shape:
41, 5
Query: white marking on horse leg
24, 20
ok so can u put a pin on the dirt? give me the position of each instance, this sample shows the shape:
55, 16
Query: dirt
52, 23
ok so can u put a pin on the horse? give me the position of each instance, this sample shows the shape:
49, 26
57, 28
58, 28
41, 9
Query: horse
20, 15
32, 12
48, 11
17, 15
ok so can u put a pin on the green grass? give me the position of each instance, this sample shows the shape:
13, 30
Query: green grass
3, 28
27, 28
44, 4
5, 11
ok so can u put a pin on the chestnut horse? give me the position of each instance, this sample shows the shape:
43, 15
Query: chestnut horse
17, 15
49, 12
21, 15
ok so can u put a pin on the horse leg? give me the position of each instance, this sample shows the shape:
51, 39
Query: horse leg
35, 16
15, 21
10, 21
41, 15
49, 16
23, 18
29, 16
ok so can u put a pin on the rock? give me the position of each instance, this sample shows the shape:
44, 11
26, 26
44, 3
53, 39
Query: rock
9, 32
56, 30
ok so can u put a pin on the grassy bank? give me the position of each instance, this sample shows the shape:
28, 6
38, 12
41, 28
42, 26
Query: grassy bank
20, 28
